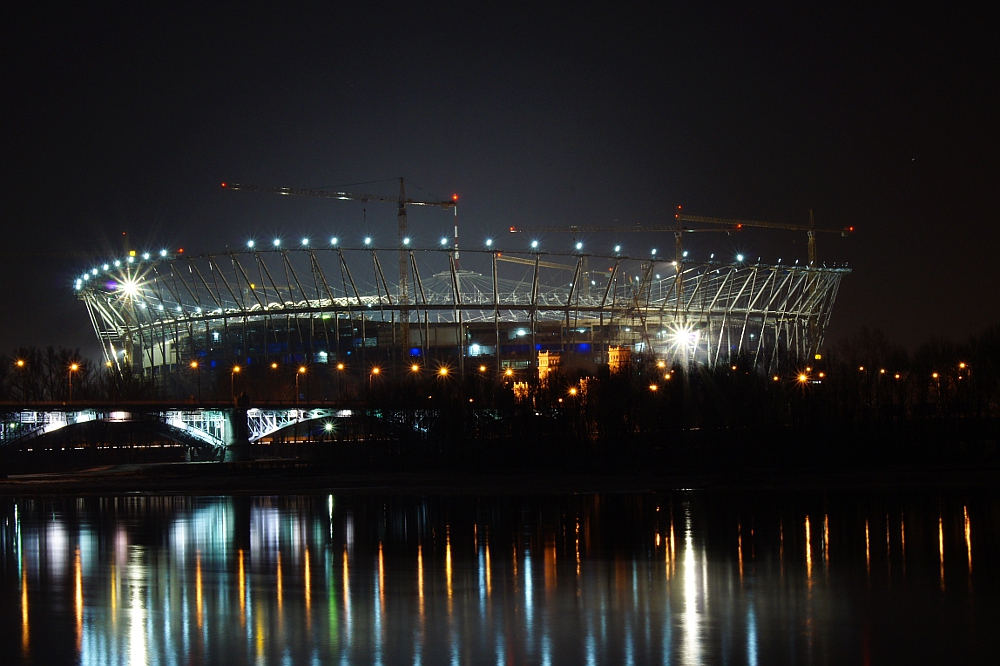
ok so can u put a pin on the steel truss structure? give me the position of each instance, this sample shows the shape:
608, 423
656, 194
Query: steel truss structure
327, 305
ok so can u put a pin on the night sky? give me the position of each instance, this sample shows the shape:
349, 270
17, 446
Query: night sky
880, 117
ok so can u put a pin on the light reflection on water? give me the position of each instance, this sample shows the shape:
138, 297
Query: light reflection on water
683, 578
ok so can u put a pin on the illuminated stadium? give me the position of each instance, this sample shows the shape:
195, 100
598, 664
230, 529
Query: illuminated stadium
337, 305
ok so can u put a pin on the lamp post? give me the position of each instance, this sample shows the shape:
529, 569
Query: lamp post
232, 381
298, 373
22, 367
375, 371
197, 369
73, 367
340, 374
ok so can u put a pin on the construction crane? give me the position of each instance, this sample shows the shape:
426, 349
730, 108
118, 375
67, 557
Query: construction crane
810, 228
402, 201
678, 230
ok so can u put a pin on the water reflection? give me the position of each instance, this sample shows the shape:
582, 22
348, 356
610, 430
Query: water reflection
579, 579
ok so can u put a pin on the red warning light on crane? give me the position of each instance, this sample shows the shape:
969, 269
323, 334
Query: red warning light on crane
223, 184
454, 197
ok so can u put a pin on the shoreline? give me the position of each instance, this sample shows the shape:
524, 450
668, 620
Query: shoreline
292, 478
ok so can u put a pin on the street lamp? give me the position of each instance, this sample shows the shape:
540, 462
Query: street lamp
301, 371
73, 367
232, 380
20, 364
375, 371
197, 369
298, 415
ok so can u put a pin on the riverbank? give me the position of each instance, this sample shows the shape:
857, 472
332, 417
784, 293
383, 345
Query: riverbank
293, 477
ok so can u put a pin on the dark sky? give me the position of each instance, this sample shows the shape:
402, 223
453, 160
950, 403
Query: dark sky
881, 117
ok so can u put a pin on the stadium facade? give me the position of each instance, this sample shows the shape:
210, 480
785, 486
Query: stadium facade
337, 305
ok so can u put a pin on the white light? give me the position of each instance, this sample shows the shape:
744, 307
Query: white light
277, 242
160, 307
618, 248
178, 308
129, 287
145, 255
673, 263
654, 251
534, 243
249, 243
657, 276
93, 271
406, 241
333, 241
163, 253
105, 267
712, 256
489, 242
117, 263
521, 332
198, 310
579, 246
685, 253
368, 240
739, 257
444, 241
131, 259
305, 242
474, 349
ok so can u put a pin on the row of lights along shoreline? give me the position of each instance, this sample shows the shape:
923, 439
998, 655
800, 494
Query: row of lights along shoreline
443, 371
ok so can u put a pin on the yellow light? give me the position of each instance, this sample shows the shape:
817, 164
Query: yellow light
935, 375
509, 372
734, 367
20, 362
961, 366
819, 357
415, 368
882, 371
340, 366
482, 368
667, 376
443, 371
822, 375
661, 364
107, 363
376, 370
560, 400
809, 369
775, 378
302, 369
653, 387
236, 368
803, 377
897, 375
74, 367
194, 364
861, 369
572, 391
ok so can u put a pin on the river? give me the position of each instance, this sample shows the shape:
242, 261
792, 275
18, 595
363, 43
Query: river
685, 577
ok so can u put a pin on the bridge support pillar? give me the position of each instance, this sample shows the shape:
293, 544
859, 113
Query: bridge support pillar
238, 432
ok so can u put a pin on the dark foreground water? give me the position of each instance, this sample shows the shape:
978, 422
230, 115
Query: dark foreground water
679, 578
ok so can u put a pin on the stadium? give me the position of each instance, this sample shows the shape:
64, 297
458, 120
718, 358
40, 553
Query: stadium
345, 308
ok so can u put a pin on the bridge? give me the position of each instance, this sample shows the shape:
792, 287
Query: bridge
216, 429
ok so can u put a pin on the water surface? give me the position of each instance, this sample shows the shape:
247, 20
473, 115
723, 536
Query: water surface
678, 578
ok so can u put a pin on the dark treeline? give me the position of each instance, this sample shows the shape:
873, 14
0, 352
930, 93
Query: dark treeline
30, 374
866, 401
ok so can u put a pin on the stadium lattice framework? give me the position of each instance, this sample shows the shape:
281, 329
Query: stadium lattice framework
337, 305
